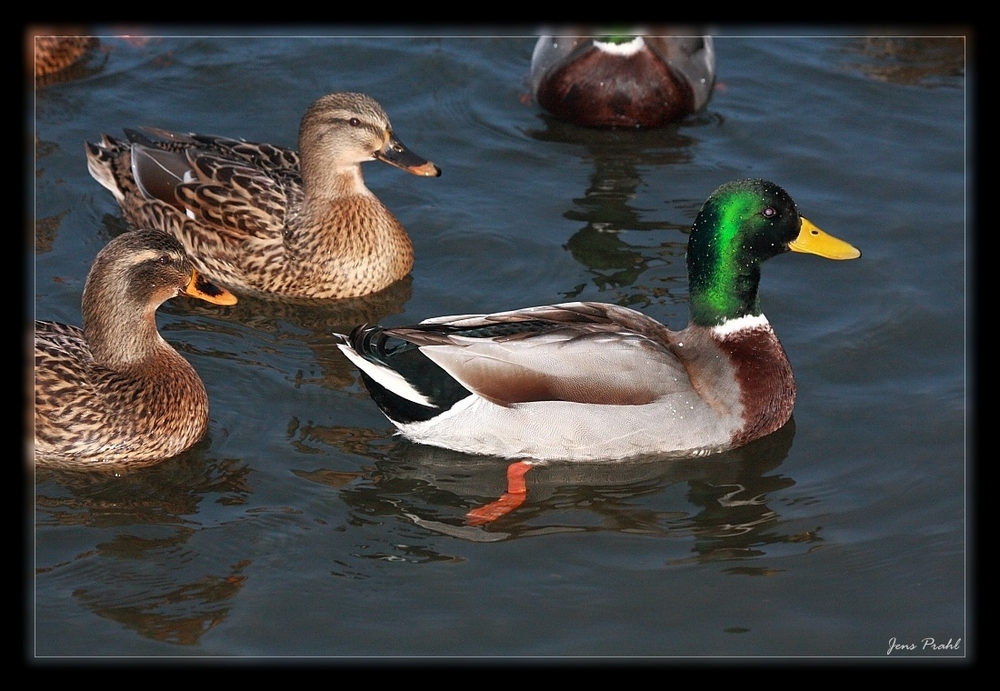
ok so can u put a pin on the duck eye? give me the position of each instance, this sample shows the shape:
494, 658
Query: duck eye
163, 259
769, 212
354, 122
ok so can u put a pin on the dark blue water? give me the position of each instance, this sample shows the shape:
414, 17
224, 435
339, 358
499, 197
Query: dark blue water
301, 527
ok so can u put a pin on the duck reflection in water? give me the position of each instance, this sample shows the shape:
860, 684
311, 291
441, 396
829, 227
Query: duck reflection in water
726, 505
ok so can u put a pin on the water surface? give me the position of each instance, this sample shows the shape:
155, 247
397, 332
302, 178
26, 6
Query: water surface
301, 527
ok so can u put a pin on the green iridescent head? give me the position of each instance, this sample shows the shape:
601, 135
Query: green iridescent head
742, 224
615, 37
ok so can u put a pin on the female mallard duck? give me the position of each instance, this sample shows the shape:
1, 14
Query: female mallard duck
55, 53
622, 80
114, 392
261, 219
588, 381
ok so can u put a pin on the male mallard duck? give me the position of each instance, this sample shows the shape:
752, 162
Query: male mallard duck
261, 219
622, 80
114, 391
588, 381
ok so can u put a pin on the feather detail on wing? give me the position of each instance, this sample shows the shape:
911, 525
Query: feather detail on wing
579, 352
235, 200
386, 377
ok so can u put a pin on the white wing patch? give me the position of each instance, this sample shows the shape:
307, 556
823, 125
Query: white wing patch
389, 378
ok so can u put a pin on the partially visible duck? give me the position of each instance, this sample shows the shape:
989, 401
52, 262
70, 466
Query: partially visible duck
55, 53
588, 381
265, 220
114, 392
622, 80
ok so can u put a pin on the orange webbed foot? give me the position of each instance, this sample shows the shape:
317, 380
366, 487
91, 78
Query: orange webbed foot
515, 495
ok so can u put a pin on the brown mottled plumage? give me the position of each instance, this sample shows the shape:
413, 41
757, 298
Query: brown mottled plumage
55, 53
114, 392
266, 220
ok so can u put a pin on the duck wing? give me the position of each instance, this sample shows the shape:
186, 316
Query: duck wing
239, 190
580, 352
64, 387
